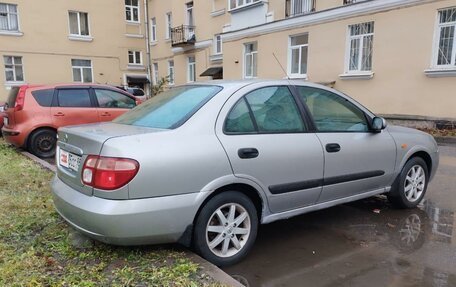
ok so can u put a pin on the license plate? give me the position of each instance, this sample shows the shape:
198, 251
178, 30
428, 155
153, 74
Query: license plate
5, 121
69, 160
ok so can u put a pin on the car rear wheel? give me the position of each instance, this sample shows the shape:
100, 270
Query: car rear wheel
42, 143
411, 185
226, 228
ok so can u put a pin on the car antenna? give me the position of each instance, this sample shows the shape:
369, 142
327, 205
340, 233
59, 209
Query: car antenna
278, 62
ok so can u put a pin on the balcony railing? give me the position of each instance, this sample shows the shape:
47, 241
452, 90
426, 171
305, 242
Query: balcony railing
299, 7
183, 35
347, 2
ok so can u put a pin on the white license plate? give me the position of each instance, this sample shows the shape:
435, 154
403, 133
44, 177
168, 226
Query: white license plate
69, 160
5, 121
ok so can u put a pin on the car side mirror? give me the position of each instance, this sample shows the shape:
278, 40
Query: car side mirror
378, 124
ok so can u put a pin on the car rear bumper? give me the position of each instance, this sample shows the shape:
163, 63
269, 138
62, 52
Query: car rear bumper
13, 137
126, 222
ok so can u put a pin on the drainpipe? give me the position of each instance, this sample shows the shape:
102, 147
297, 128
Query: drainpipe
149, 64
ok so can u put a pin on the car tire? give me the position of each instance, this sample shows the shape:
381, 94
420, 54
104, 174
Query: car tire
42, 143
226, 228
411, 185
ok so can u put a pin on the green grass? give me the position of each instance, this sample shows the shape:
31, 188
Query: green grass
37, 247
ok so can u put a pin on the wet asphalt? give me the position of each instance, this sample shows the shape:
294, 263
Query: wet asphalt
364, 243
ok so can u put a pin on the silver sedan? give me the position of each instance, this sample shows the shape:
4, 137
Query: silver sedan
205, 164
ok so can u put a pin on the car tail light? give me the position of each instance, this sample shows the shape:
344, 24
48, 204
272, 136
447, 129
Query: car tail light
20, 99
108, 173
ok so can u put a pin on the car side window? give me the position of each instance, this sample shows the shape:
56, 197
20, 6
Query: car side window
112, 99
74, 98
239, 120
275, 111
332, 113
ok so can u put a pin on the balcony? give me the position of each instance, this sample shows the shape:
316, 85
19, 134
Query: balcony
183, 35
348, 2
299, 7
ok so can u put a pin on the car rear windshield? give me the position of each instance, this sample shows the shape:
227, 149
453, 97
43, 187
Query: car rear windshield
44, 97
170, 109
11, 101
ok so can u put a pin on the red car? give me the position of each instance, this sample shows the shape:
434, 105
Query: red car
34, 113
2, 104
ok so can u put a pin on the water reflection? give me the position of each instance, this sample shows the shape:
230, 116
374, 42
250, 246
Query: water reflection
351, 245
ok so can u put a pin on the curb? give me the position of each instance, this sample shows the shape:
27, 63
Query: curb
446, 140
41, 162
210, 269
213, 271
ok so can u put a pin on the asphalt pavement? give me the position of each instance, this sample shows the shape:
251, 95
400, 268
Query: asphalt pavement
365, 243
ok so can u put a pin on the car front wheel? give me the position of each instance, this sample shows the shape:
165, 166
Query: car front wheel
226, 228
411, 185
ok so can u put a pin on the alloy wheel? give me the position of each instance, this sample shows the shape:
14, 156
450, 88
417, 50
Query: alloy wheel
415, 182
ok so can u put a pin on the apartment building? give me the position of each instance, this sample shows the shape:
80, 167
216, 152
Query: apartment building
398, 57
46, 42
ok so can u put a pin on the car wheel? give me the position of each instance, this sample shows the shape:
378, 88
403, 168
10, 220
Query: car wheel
411, 185
42, 143
226, 228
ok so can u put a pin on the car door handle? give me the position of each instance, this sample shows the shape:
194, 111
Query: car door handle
59, 114
105, 114
333, 147
248, 153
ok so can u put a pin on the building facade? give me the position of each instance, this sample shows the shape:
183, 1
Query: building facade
398, 57
47, 42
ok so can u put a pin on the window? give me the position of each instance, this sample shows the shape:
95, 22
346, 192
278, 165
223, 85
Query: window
217, 45
191, 70
79, 23
298, 55
332, 113
82, 71
361, 37
239, 119
250, 60
153, 30
155, 70
132, 10
134, 58
169, 25
112, 99
13, 69
171, 72
446, 46
171, 108
8, 17
299, 7
44, 97
241, 3
189, 19
74, 98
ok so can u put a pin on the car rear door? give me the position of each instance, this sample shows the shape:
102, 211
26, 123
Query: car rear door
356, 160
112, 104
73, 106
266, 140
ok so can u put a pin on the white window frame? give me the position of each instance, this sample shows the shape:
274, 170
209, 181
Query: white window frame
360, 52
80, 68
135, 58
241, 3
189, 13
435, 53
253, 63
79, 24
153, 29
191, 72
14, 81
216, 40
290, 56
155, 73
168, 25
133, 7
171, 72
9, 14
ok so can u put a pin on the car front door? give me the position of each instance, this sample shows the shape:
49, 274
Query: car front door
267, 141
356, 160
112, 104
73, 106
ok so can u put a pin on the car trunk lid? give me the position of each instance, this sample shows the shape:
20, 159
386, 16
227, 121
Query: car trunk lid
77, 142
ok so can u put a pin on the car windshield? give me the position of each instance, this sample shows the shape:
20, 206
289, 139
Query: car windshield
170, 109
